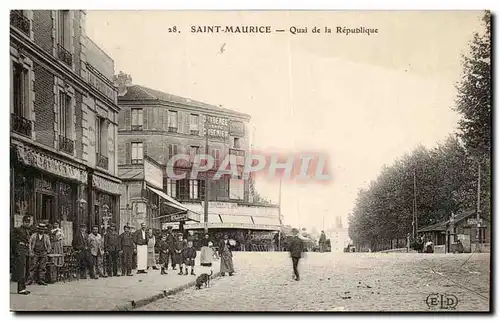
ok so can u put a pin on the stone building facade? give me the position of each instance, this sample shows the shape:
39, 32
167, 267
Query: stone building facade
64, 122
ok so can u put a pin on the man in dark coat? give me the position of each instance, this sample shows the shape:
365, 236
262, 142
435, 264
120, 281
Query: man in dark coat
21, 242
322, 242
112, 250
81, 246
296, 247
171, 250
127, 248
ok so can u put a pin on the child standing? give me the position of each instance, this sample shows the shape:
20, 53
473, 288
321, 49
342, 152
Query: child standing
163, 247
178, 247
188, 255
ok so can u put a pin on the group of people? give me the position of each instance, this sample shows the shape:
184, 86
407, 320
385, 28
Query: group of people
92, 250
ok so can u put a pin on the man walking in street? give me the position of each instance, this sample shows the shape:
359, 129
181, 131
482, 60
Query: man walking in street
141, 242
96, 245
22, 242
296, 247
81, 246
112, 250
39, 250
127, 249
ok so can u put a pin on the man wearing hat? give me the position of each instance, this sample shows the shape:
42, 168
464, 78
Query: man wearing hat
127, 246
112, 250
81, 246
39, 250
22, 242
296, 247
141, 242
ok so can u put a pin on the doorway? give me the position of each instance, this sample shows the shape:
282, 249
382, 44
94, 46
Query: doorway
46, 208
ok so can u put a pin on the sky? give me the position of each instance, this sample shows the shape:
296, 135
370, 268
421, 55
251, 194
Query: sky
362, 100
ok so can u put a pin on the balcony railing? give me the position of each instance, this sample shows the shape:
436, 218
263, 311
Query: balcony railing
102, 161
195, 132
20, 125
137, 161
136, 127
65, 55
18, 20
66, 145
172, 129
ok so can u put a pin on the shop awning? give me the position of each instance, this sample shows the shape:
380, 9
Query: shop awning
266, 220
172, 202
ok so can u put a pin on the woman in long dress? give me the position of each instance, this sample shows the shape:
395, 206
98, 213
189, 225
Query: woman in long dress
206, 251
226, 257
56, 238
151, 250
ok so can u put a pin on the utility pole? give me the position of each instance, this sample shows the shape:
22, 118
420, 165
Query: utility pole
279, 213
478, 216
205, 213
415, 223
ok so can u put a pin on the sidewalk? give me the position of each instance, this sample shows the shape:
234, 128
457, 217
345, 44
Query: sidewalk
106, 294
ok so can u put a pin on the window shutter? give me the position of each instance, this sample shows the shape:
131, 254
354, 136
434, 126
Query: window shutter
127, 124
145, 117
128, 153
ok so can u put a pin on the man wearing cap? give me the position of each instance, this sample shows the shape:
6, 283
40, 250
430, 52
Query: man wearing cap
127, 246
296, 247
96, 245
81, 246
21, 242
112, 250
39, 249
141, 242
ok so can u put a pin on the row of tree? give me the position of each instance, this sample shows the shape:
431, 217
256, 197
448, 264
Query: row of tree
446, 177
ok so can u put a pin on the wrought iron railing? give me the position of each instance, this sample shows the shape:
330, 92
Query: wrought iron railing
18, 20
137, 161
64, 55
102, 161
172, 129
20, 125
195, 132
136, 127
66, 145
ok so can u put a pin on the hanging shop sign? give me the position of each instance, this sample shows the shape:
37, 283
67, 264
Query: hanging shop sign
237, 129
31, 158
106, 185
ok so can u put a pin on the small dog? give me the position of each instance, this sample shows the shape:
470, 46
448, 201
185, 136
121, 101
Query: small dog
204, 278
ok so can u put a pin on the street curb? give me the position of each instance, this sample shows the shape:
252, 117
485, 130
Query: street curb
137, 304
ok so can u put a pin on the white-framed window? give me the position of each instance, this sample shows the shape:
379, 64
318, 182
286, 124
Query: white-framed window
193, 152
172, 150
216, 155
194, 124
194, 192
101, 135
137, 153
172, 121
137, 119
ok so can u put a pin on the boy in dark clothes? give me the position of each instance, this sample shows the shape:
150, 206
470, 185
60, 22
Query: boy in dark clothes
188, 256
179, 245
163, 248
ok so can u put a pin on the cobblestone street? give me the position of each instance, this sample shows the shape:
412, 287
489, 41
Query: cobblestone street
341, 282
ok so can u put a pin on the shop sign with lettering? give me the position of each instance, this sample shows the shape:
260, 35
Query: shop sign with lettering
106, 185
177, 218
44, 185
217, 127
237, 152
51, 165
237, 129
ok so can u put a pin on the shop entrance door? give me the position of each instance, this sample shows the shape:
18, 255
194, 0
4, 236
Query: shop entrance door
46, 208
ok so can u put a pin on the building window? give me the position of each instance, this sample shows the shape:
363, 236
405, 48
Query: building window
193, 152
137, 120
137, 153
216, 155
172, 150
64, 114
236, 143
19, 20
171, 187
101, 142
194, 192
64, 37
172, 121
194, 125
20, 88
